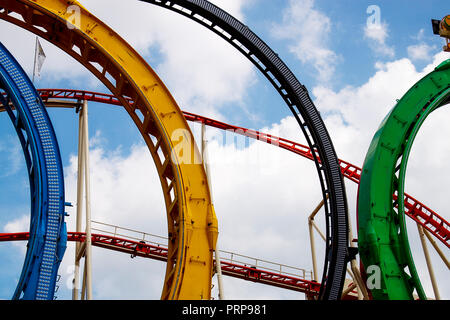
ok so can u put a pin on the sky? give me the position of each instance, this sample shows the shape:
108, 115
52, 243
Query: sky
355, 57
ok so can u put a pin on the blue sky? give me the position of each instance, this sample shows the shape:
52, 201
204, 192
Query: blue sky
354, 75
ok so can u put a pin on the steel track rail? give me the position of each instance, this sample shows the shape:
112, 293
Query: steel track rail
414, 209
191, 220
47, 243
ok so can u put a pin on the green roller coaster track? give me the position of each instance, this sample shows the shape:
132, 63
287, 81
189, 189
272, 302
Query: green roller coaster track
382, 234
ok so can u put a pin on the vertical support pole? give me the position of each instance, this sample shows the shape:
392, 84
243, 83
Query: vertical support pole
435, 246
355, 273
88, 256
216, 251
313, 250
360, 285
83, 288
349, 289
35, 58
83, 189
311, 238
428, 260
80, 180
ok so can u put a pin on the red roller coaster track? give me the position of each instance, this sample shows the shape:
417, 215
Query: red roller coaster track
159, 252
414, 209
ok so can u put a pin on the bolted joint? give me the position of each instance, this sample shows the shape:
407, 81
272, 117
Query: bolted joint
352, 252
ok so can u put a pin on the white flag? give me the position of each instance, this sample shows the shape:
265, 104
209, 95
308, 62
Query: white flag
39, 59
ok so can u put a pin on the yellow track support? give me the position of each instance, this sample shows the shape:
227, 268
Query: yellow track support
192, 224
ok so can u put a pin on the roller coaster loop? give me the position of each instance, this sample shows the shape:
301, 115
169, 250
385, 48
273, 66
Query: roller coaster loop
383, 238
47, 242
296, 96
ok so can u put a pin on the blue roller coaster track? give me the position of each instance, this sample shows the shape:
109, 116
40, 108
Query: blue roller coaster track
48, 234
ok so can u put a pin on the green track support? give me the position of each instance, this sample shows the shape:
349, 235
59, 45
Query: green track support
382, 234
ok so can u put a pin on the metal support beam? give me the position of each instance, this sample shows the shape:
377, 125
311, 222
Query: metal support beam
429, 264
360, 285
83, 190
80, 179
349, 289
311, 236
88, 256
435, 246
354, 272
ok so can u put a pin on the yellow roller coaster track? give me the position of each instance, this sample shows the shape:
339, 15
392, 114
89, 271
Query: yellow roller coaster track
192, 224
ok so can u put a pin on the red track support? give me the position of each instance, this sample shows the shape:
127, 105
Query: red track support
414, 209
158, 252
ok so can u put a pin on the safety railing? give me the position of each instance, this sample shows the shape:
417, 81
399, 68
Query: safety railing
225, 256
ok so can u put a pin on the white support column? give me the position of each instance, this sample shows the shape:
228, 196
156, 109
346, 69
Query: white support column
349, 289
88, 256
216, 252
83, 184
311, 238
80, 180
355, 273
435, 246
360, 285
428, 260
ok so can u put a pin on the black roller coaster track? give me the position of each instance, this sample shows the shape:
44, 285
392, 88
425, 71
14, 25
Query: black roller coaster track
299, 102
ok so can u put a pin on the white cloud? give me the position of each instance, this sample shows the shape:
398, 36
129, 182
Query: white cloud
354, 114
357, 111
11, 156
202, 71
308, 30
20, 224
130, 180
420, 35
377, 34
421, 51
254, 220
125, 191
58, 66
